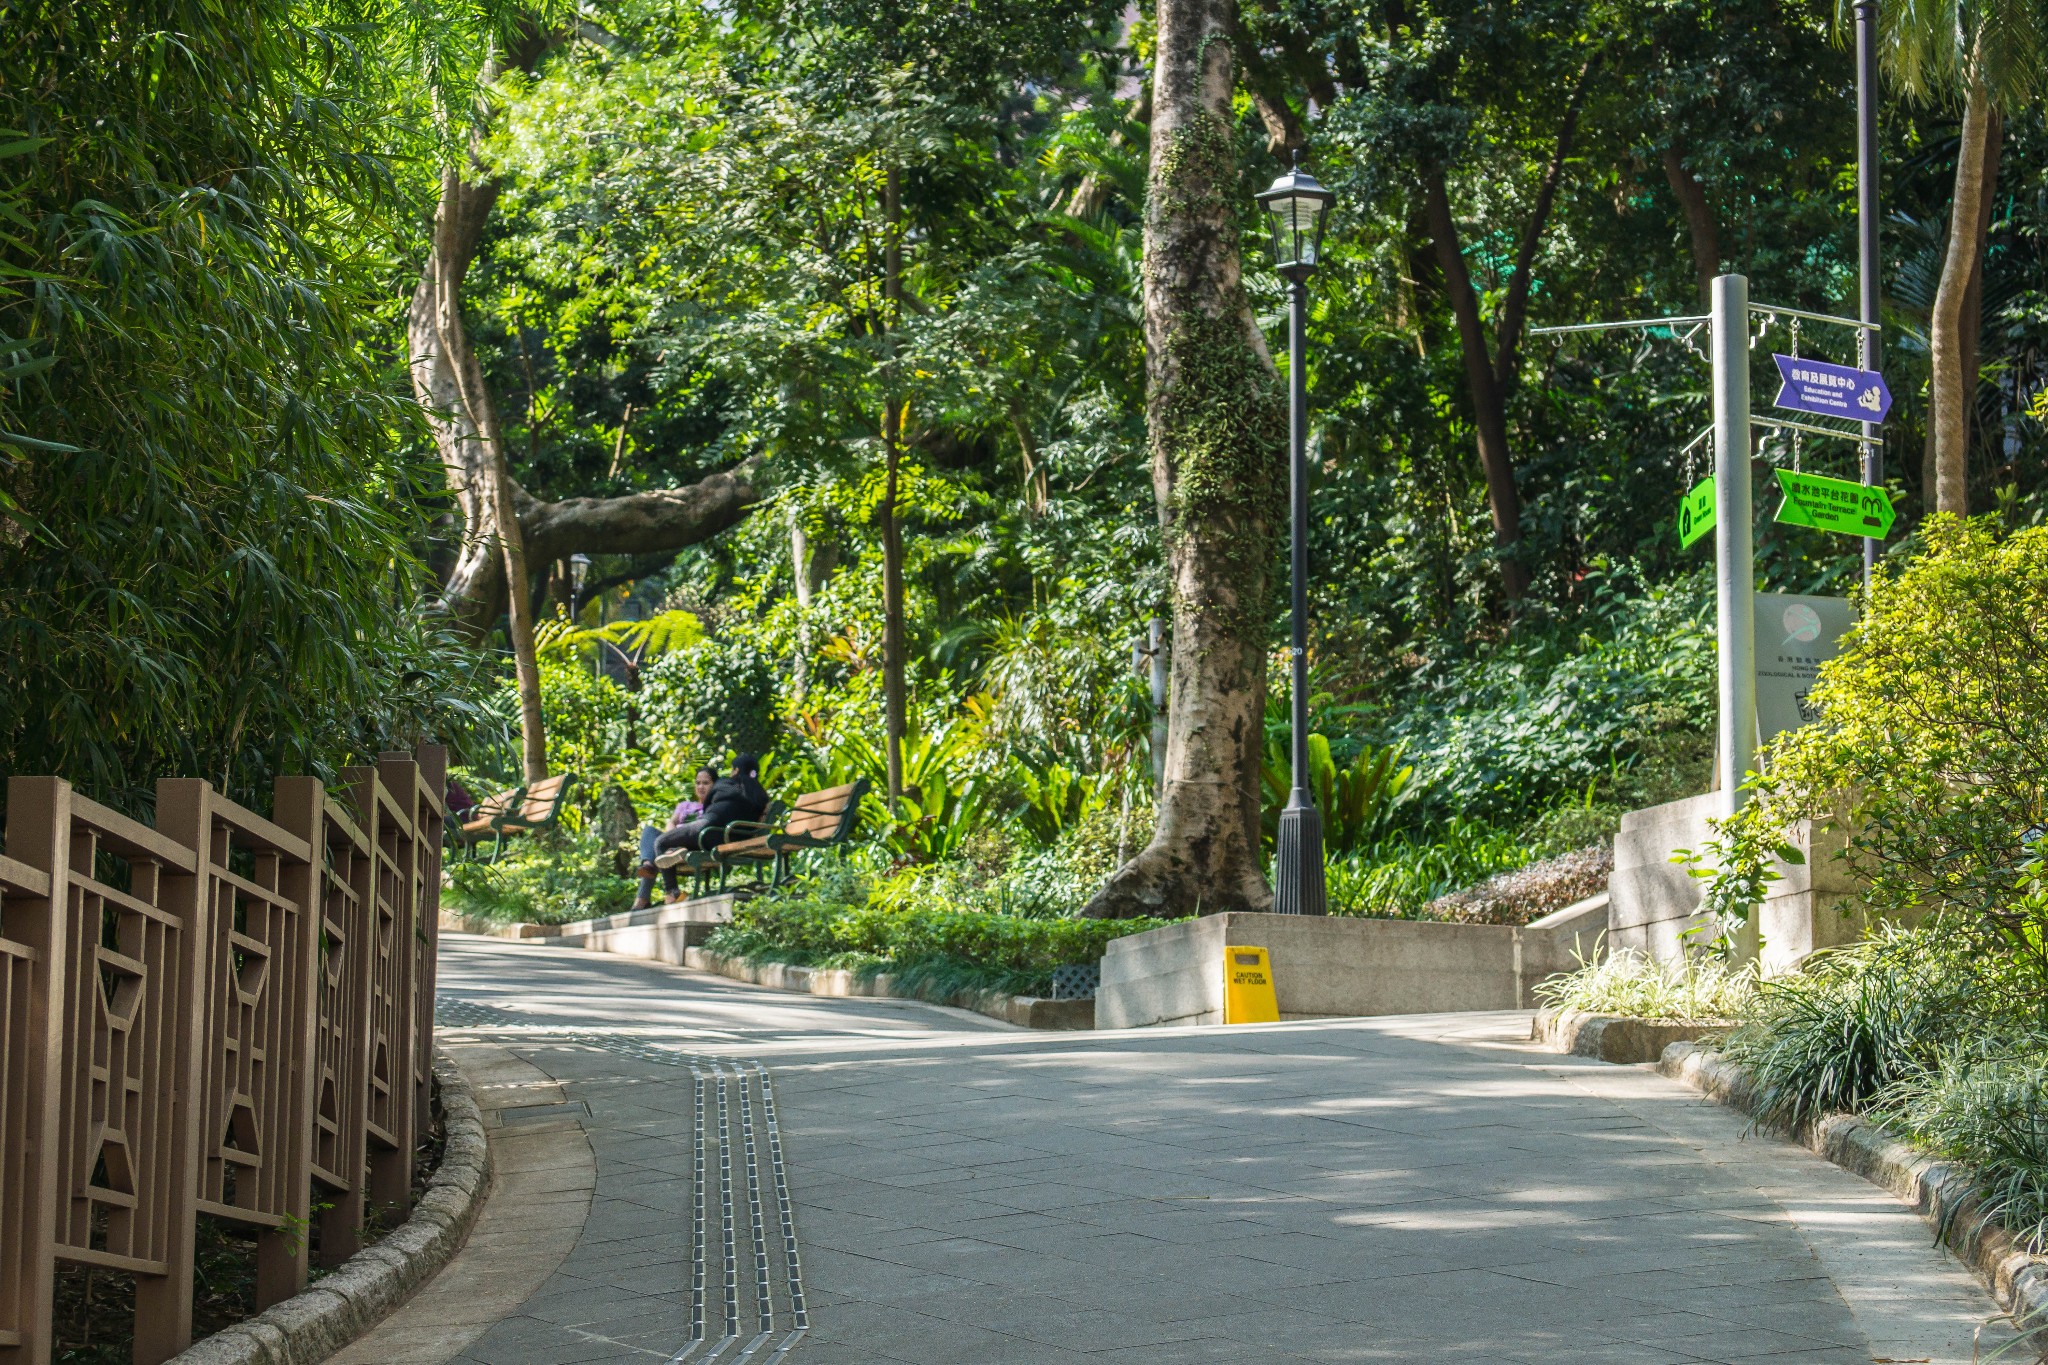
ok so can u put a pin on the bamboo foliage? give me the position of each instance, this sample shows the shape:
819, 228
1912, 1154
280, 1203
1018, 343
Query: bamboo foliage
204, 484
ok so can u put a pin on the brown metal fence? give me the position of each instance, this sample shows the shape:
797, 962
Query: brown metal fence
221, 1015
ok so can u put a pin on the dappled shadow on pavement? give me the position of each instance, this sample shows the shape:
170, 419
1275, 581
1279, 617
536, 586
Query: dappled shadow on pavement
1423, 1188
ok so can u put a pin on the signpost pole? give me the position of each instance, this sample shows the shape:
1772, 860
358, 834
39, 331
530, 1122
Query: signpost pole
1734, 555
1866, 225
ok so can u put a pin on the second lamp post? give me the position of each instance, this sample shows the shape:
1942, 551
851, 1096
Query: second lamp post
1296, 207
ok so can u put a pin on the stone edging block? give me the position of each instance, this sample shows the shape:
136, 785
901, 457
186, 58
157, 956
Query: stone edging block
1025, 1011
452, 923
339, 1307
1613, 1037
1939, 1191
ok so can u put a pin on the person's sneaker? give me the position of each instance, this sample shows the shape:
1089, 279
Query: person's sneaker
643, 903
670, 858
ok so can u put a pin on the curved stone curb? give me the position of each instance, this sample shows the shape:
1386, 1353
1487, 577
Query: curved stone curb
1613, 1037
1939, 1191
1024, 1011
328, 1314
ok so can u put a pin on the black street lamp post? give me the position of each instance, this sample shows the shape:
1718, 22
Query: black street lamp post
579, 574
1296, 208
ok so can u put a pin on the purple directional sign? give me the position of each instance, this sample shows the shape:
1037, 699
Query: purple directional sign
1832, 390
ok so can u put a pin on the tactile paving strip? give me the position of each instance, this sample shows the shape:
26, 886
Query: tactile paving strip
737, 1159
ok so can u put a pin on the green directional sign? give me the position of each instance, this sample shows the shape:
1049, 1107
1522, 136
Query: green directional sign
1838, 505
1696, 514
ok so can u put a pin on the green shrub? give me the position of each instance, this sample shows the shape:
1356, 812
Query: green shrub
549, 879
585, 715
1544, 713
1357, 802
1930, 750
713, 697
1397, 875
1056, 798
835, 919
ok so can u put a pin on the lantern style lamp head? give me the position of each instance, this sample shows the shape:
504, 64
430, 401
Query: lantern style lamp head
1297, 207
579, 572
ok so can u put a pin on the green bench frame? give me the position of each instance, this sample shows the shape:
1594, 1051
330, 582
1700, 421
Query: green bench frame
530, 809
818, 820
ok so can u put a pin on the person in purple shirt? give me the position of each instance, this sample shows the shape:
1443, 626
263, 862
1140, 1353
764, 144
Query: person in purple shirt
681, 833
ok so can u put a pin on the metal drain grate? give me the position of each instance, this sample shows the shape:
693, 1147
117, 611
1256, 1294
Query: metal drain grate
1076, 981
534, 1113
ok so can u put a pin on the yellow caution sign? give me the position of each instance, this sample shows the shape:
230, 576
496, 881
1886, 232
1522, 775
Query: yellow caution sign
1248, 987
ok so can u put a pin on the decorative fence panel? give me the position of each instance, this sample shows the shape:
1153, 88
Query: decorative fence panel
212, 1016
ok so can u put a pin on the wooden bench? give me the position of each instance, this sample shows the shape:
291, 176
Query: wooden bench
481, 820
820, 819
539, 807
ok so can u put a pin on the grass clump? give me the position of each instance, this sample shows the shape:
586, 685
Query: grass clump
1858, 1021
1990, 1112
1627, 983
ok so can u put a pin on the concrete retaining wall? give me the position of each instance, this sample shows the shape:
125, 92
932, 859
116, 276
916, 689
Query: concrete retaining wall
1654, 902
1341, 967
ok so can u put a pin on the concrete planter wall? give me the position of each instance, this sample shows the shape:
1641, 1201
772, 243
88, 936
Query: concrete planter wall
1655, 902
662, 932
1342, 967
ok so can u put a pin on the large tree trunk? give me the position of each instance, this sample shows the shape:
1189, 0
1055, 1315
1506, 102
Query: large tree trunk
655, 521
1700, 227
895, 708
1217, 422
1951, 390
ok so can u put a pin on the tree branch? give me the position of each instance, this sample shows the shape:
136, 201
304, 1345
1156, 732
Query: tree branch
1514, 313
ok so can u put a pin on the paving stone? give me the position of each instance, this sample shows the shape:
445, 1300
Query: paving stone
1345, 1190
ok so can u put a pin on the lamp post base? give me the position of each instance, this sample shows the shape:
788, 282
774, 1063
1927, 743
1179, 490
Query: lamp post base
1298, 860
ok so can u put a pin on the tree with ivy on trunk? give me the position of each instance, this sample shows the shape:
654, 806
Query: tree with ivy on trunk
1217, 421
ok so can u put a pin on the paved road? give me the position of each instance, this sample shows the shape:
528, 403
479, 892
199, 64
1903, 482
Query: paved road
1416, 1189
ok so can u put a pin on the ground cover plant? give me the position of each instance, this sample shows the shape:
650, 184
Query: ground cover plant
1698, 986
843, 919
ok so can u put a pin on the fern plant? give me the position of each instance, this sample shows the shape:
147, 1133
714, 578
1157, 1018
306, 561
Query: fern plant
1357, 802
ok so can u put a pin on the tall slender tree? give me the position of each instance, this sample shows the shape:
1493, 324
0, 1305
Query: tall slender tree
1991, 57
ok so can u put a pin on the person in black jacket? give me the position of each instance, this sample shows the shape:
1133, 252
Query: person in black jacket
738, 795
